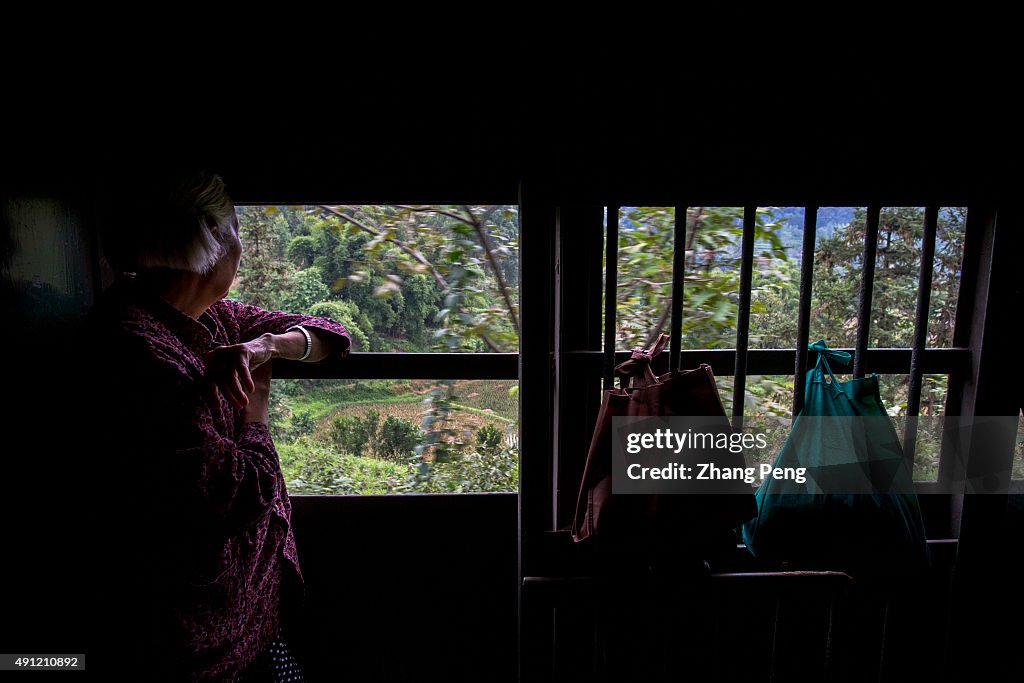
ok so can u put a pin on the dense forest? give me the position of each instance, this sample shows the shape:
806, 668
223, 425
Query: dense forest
445, 278
400, 278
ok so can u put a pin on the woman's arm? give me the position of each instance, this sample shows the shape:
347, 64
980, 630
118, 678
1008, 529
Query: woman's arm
220, 475
292, 346
232, 369
251, 322
264, 336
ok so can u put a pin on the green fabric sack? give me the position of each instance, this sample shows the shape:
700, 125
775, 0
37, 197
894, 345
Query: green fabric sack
858, 510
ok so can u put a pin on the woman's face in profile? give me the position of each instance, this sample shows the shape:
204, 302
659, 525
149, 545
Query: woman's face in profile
223, 274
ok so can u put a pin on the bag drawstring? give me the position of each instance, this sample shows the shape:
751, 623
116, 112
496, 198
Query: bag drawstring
824, 353
638, 367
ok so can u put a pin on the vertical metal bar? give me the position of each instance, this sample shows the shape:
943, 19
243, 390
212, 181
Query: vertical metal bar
803, 326
867, 283
988, 389
95, 267
971, 274
775, 658
678, 273
611, 270
557, 343
538, 218
743, 318
924, 291
884, 637
984, 578
580, 248
536, 387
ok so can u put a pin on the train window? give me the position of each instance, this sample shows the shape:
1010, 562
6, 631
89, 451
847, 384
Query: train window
427, 402
718, 314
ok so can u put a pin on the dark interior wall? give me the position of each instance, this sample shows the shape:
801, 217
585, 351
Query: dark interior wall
46, 285
409, 587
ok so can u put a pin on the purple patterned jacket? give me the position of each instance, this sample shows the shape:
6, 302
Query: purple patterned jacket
205, 555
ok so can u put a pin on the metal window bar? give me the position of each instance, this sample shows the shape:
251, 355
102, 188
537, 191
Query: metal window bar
867, 283
610, 300
803, 328
406, 366
538, 228
971, 272
924, 290
678, 273
743, 317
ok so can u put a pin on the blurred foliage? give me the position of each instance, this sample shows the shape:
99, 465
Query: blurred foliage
712, 272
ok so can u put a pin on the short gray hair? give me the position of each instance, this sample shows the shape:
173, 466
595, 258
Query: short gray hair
181, 222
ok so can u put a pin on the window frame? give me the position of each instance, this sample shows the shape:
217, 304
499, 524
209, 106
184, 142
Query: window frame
399, 365
568, 237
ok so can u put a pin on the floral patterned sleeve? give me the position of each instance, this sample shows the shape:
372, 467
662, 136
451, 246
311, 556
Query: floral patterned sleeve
233, 482
249, 322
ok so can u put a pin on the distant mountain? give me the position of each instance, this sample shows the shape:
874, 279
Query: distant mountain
792, 220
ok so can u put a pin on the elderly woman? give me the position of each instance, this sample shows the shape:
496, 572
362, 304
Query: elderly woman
199, 571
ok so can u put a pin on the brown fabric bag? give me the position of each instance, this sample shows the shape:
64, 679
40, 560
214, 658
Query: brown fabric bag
681, 524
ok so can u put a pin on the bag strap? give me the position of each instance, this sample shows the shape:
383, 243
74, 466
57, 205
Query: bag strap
638, 367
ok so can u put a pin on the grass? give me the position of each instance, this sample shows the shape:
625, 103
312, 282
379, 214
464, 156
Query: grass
479, 401
315, 467
320, 398
484, 413
312, 463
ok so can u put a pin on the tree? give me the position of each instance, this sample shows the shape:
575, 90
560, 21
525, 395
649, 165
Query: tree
468, 254
711, 286
347, 313
837, 273
307, 290
775, 306
263, 276
398, 439
838, 267
302, 250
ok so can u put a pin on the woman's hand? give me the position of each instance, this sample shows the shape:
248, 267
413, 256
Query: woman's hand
231, 368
